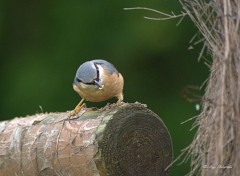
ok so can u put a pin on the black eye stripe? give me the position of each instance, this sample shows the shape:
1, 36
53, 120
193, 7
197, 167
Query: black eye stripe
90, 83
78, 80
96, 66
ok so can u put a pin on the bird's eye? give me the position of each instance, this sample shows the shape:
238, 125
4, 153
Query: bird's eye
90, 83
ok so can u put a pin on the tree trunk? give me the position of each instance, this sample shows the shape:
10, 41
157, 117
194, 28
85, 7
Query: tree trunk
117, 140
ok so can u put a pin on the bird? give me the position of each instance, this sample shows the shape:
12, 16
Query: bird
96, 81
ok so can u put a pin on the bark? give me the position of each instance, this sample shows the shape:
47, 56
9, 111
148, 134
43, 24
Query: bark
116, 140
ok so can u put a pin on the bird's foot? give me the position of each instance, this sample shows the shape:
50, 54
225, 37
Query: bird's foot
119, 102
78, 108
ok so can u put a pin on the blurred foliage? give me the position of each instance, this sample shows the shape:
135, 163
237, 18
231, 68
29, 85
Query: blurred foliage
42, 43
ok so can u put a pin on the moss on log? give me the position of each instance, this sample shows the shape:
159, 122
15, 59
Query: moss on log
116, 140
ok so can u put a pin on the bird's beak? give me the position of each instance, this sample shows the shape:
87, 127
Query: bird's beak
100, 86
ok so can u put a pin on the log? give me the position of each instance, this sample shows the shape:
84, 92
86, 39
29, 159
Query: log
117, 140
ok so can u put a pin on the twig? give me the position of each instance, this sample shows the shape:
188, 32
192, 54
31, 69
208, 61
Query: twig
166, 16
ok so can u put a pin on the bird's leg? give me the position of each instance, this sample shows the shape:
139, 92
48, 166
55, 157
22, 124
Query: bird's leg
120, 99
78, 108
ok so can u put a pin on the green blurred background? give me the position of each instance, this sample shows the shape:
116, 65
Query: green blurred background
42, 43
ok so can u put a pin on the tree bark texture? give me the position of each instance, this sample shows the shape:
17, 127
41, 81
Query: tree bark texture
117, 140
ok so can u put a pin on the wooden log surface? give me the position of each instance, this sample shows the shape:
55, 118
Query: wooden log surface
116, 140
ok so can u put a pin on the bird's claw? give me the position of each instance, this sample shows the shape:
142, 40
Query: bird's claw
78, 108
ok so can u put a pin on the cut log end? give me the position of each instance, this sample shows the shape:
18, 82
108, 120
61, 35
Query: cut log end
134, 141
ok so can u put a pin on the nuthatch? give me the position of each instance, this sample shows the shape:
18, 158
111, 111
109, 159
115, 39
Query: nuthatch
96, 81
